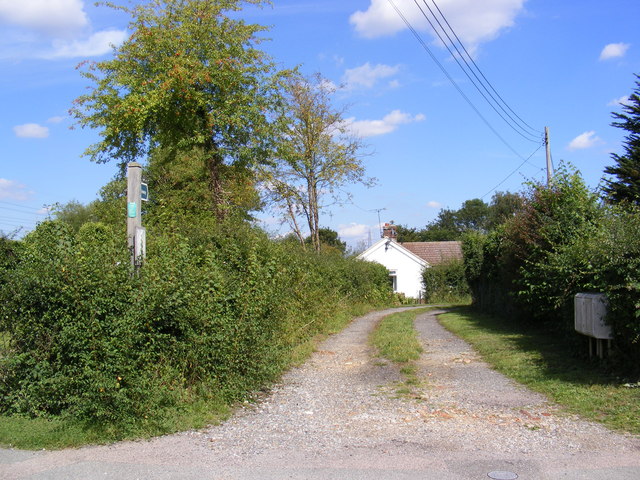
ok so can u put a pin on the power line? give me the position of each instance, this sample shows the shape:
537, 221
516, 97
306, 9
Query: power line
18, 219
453, 82
15, 225
509, 176
519, 122
495, 104
21, 211
26, 207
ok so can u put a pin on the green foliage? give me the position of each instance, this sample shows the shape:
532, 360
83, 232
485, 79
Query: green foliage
445, 282
541, 241
561, 242
111, 206
73, 213
614, 260
625, 184
9, 254
526, 267
489, 279
67, 291
209, 317
503, 206
188, 80
315, 158
329, 240
473, 216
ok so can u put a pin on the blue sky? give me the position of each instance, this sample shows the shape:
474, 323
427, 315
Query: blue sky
565, 65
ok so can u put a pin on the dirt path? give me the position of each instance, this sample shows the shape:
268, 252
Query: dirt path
336, 417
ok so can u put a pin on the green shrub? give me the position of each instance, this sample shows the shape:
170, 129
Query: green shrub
530, 267
561, 243
614, 256
208, 317
445, 282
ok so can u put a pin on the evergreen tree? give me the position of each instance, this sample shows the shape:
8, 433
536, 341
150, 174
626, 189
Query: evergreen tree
625, 184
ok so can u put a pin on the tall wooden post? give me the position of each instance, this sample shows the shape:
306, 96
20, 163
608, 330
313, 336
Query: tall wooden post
549, 164
134, 219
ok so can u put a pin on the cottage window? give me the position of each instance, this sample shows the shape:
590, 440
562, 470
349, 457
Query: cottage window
393, 279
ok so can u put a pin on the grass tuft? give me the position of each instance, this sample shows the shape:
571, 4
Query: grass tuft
396, 339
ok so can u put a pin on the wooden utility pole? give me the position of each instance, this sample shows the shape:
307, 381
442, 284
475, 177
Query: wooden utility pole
136, 240
549, 163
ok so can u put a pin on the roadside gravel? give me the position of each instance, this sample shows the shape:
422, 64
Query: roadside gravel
338, 416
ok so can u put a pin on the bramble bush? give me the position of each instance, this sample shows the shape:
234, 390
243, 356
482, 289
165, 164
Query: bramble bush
208, 317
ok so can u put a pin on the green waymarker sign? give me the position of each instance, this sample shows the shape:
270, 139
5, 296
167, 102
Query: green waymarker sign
132, 209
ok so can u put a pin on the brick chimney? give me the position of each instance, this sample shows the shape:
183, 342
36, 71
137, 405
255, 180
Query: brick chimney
389, 231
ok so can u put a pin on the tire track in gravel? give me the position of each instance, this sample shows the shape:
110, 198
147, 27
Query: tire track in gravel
336, 417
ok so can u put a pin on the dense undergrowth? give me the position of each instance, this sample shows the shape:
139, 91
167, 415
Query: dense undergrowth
208, 319
563, 241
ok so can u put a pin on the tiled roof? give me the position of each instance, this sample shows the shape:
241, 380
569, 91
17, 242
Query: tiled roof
435, 252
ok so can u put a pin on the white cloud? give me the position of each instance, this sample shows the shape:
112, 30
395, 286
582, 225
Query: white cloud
616, 102
45, 210
434, 204
614, 50
389, 123
367, 75
12, 190
57, 18
51, 29
353, 231
585, 140
474, 21
31, 130
56, 119
97, 44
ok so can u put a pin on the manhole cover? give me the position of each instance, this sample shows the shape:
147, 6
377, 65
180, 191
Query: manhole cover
502, 475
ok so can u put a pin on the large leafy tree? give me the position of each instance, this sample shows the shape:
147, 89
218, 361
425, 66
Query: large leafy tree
189, 80
473, 216
316, 157
73, 213
624, 186
330, 238
503, 206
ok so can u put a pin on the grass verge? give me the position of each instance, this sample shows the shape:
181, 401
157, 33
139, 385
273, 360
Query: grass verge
57, 433
396, 339
544, 364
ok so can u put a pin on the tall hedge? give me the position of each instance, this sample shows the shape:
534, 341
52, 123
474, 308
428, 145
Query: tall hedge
445, 282
206, 316
562, 242
614, 257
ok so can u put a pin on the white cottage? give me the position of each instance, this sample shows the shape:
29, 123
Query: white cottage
406, 261
405, 268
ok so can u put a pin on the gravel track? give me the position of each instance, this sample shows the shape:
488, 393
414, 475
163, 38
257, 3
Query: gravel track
338, 416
